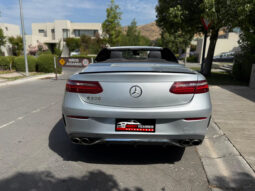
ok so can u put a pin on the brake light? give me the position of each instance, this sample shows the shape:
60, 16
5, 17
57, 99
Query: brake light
191, 87
88, 87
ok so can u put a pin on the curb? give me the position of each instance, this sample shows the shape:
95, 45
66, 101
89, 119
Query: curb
234, 147
225, 167
32, 78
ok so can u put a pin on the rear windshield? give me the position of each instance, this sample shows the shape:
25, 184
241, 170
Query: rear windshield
122, 55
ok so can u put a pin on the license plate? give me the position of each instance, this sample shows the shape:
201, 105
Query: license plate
135, 125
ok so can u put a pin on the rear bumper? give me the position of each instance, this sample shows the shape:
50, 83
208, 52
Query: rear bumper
165, 129
170, 123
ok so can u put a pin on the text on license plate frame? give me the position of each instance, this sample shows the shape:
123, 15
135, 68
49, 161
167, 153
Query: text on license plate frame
135, 125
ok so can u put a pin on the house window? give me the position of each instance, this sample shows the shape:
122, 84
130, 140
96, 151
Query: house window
66, 33
53, 34
42, 32
91, 33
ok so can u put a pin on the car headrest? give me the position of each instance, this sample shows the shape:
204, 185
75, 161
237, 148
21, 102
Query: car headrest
155, 54
116, 54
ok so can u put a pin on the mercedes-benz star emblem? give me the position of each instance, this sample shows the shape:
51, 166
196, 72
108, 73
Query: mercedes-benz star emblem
135, 91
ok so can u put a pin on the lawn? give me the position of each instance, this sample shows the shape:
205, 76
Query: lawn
222, 78
18, 77
5, 71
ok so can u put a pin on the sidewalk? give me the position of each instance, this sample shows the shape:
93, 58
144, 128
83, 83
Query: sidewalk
234, 113
5, 76
12, 74
26, 79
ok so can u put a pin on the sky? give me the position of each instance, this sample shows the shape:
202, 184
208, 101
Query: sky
75, 10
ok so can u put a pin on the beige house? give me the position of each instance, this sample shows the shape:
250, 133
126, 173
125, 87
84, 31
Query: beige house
9, 30
227, 42
56, 32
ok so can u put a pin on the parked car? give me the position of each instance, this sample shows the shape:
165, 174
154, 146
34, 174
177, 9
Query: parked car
75, 52
182, 56
224, 57
137, 94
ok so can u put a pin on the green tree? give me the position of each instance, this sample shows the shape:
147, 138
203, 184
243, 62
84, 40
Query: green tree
16, 45
132, 33
73, 43
57, 49
91, 45
133, 36
144, 41
2, 40
247, 25
111, 26
185, 16
244, 60
177, 42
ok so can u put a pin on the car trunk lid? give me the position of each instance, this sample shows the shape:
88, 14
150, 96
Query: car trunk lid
137, 86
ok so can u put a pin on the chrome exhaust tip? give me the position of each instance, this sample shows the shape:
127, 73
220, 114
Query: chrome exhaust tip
76, 140
185, 142
190, 142
196, 142
90, 141
86, 141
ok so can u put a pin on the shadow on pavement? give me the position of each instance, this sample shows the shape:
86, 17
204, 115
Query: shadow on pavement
242, 91
93, 180
113, 154
240, 181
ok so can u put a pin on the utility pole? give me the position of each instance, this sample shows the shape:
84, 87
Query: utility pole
23, 36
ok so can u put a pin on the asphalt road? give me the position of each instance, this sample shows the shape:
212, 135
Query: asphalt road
36, 154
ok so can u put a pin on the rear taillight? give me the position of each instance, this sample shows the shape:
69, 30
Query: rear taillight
88, 87
191, 87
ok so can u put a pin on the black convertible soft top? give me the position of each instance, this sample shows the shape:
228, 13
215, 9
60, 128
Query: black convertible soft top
115, 54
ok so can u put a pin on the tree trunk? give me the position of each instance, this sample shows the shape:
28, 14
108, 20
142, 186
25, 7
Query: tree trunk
209, 59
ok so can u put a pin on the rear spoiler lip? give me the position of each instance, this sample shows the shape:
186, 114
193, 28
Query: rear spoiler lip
191, 72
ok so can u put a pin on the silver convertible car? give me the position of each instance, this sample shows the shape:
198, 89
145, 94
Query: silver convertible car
137, 95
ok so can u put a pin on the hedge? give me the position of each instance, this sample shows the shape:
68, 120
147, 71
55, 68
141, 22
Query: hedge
192, 59
11, 62
242, 66
19, 63
83, 56
7, 62
43, 52
45, 63
80, 56
4, 63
